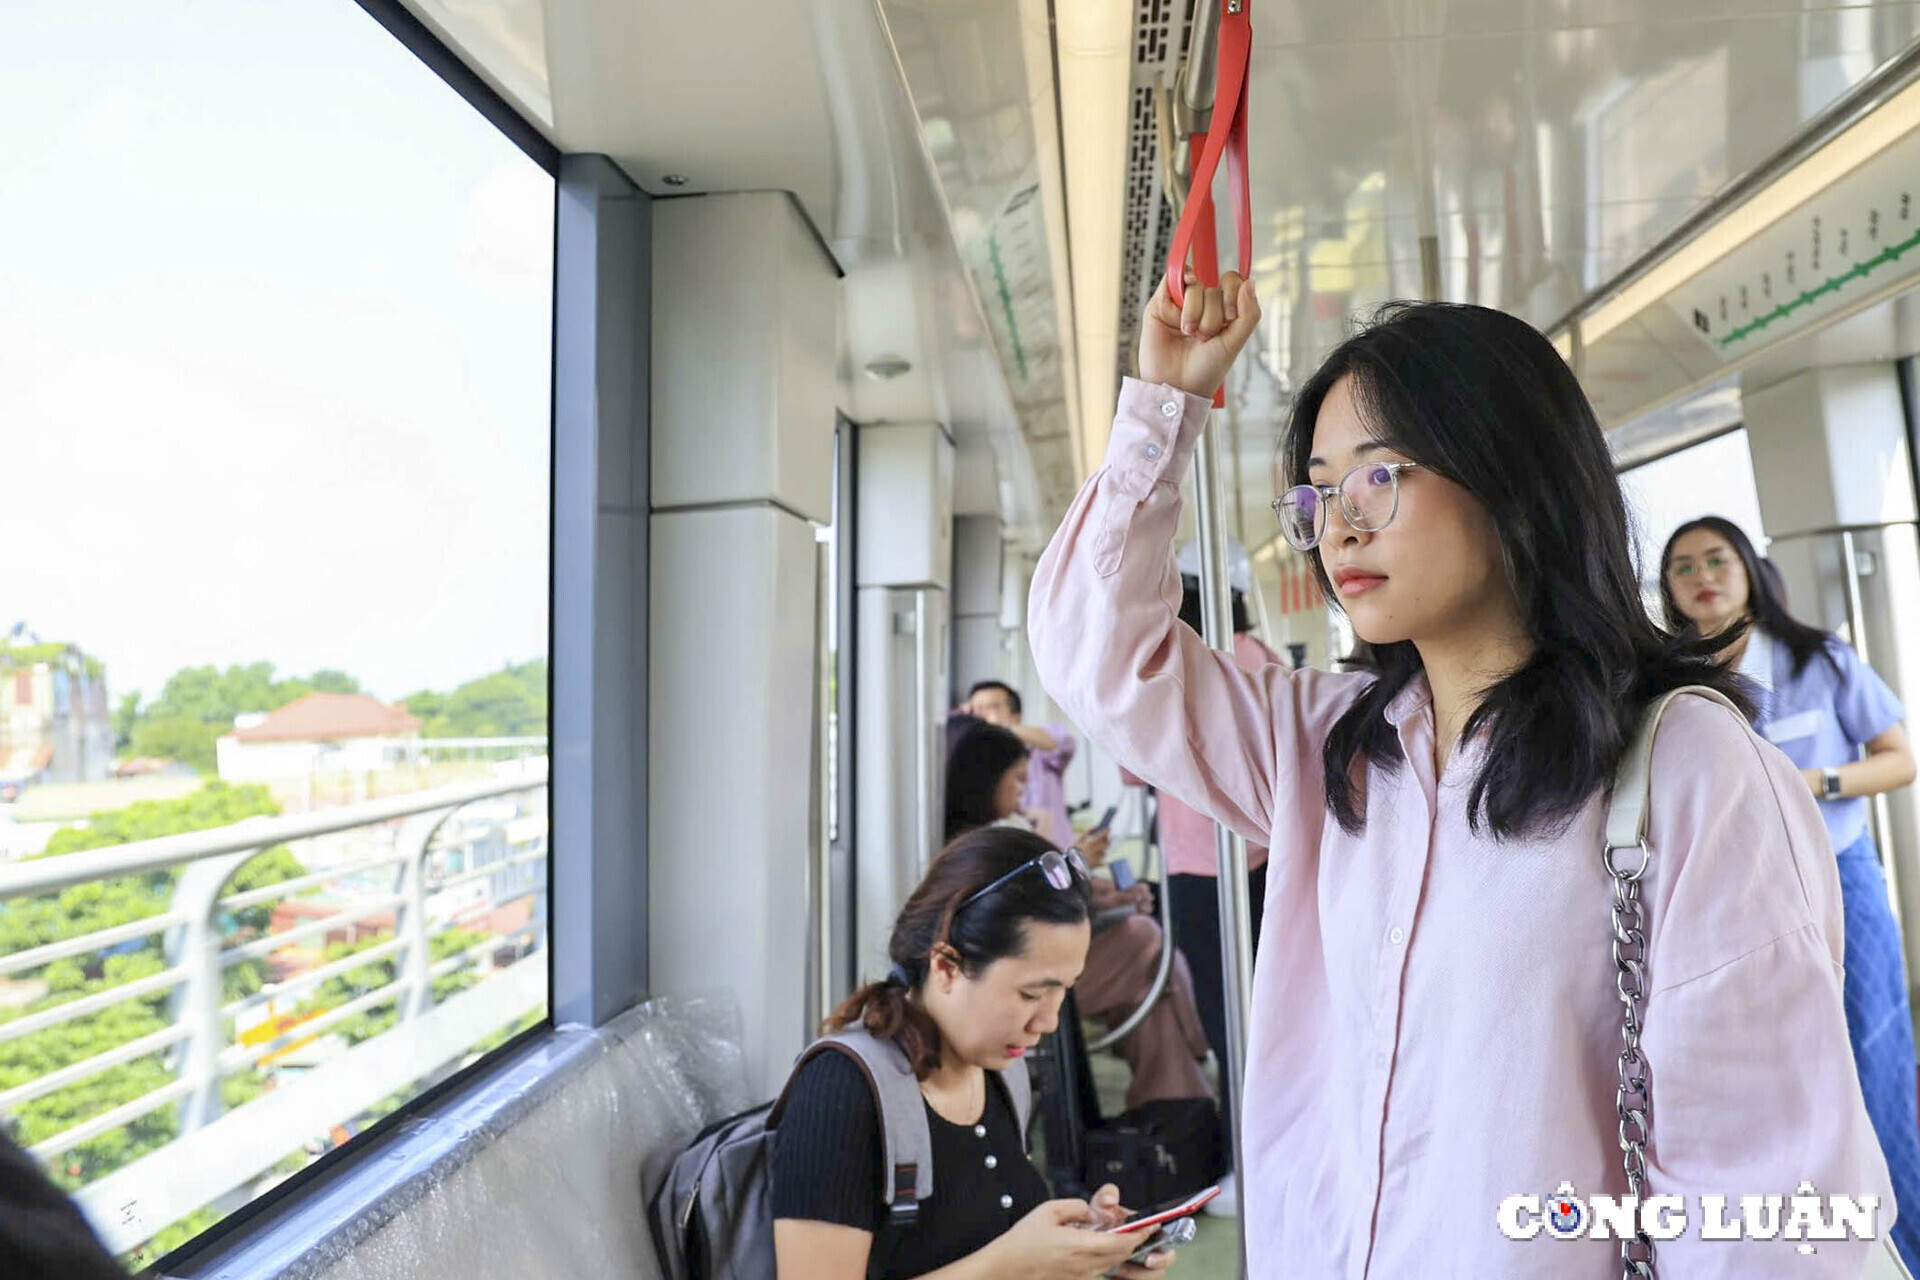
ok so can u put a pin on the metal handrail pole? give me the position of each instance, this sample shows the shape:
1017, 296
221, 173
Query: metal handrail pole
1230, 848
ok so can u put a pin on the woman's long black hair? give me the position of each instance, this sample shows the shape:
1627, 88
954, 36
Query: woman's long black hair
1763, 596
991, 929
976, 761
1481, 398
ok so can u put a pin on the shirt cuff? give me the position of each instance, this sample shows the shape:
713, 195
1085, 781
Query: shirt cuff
1155, 429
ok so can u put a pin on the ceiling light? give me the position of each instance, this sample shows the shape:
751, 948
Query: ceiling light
888, 367
1094, 44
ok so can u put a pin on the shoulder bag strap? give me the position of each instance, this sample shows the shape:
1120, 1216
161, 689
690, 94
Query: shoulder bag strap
906, 1140
1626, 857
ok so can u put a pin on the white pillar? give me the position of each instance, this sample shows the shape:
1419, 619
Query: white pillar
903, 569
978, 649
745, 323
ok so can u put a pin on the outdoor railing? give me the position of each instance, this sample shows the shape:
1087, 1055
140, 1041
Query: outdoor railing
131, 1202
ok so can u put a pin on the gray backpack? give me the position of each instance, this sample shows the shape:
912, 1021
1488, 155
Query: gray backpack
712, 1218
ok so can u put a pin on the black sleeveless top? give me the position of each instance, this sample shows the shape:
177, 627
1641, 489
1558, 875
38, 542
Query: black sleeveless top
827, 1168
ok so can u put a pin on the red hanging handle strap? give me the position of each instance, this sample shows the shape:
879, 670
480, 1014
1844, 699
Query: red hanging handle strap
1206, 253
1227, 136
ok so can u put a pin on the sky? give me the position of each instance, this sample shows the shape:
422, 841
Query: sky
275, 327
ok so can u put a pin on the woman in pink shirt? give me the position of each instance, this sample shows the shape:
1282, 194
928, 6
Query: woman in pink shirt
1436, 1027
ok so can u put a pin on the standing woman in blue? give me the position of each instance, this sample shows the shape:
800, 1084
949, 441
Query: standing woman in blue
1820, 704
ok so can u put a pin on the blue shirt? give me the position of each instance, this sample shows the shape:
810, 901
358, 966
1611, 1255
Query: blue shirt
1821, 717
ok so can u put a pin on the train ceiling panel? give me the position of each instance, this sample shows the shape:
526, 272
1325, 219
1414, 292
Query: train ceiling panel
1532, 149
1545, 145
927, 193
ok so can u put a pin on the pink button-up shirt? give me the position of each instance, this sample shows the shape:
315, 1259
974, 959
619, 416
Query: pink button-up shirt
1435, 1024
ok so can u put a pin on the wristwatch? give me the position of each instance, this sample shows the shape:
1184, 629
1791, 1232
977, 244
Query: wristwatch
1830, 783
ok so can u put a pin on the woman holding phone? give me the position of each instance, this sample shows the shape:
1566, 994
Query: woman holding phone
984, 954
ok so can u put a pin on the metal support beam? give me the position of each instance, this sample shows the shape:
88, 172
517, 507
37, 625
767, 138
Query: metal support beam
1193, 110
601, 477
1236, 921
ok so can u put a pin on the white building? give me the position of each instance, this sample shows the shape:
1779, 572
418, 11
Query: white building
320, 733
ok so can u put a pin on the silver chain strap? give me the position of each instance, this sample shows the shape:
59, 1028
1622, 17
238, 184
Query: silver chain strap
1633, 1102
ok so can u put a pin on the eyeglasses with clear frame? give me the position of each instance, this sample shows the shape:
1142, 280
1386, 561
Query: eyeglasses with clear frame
1369, 498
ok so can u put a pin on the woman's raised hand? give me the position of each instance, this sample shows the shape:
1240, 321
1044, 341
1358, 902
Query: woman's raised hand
1192, 347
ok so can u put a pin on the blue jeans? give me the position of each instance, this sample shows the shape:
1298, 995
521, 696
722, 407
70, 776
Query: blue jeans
1880, 1025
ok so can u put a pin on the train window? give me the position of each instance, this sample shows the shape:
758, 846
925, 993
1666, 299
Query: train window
1714, 477
275, 371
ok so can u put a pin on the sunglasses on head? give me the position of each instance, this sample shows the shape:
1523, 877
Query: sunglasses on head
1059, 869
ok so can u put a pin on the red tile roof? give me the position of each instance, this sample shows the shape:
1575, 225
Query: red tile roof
329, 717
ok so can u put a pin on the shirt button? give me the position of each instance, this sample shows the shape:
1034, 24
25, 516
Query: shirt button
1380, 1060
1152, 451
993, 1162
1171, 409
1398, 935
1006, 1202
979, 1131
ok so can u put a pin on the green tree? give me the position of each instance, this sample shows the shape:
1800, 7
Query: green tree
358, 981
215, 804
199, 704
85, 908
125, 716
427, 705
216, 697
194, 743
511, 702
329, 681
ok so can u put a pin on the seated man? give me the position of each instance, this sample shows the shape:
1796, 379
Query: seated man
1049, 749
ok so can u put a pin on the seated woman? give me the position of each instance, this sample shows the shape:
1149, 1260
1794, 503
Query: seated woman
986, 782
983, 955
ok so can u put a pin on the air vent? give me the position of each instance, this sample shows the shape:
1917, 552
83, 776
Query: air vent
1153, 31
1161, 29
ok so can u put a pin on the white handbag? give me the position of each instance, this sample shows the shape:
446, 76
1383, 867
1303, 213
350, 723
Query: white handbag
1626, 857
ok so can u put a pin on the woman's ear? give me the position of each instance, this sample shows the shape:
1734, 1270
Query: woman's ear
943, 966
